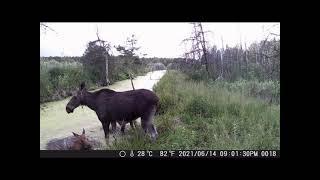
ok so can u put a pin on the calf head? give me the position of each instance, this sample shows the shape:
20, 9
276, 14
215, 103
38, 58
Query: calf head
81, 142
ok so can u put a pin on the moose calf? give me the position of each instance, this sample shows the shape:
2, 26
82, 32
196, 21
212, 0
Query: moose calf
75, 142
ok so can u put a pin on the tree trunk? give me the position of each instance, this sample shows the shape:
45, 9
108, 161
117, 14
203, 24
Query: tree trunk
107, 70
204, 48
222, 52
245, 59
132, 81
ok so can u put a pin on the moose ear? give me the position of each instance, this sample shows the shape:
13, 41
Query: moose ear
75, 134
83, 131
82, 85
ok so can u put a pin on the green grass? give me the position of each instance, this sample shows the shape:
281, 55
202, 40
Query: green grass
59, 79
200, 115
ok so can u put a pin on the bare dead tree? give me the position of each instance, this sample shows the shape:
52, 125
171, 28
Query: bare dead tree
266, 55
246, 57
203, 44
131, 81
105, 45
195, 51
198, 45
275, 34
222, 52
45, 27
132, 44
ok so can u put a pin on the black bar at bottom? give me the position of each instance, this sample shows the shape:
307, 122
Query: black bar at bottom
163, 154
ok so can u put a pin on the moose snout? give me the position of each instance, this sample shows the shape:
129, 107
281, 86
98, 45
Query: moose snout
69, 110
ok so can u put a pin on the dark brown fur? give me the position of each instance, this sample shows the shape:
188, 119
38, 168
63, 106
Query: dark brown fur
111, 106
123, 125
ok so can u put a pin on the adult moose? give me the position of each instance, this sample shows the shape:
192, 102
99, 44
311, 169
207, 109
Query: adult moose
111, 106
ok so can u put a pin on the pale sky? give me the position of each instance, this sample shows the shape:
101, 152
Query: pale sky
155, 39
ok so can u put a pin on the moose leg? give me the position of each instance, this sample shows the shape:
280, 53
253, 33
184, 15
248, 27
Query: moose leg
131, 124
154, 133
150, 126
135, 123
114, 126
105, 126
144, 124
123, 126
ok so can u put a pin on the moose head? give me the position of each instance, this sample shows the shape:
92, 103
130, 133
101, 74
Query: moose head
77, 99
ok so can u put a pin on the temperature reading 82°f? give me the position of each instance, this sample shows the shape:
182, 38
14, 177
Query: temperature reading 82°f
163, 153
166, 153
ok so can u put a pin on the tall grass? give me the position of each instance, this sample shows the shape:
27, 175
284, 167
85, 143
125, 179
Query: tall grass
60, 79
201, 115
266, 90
